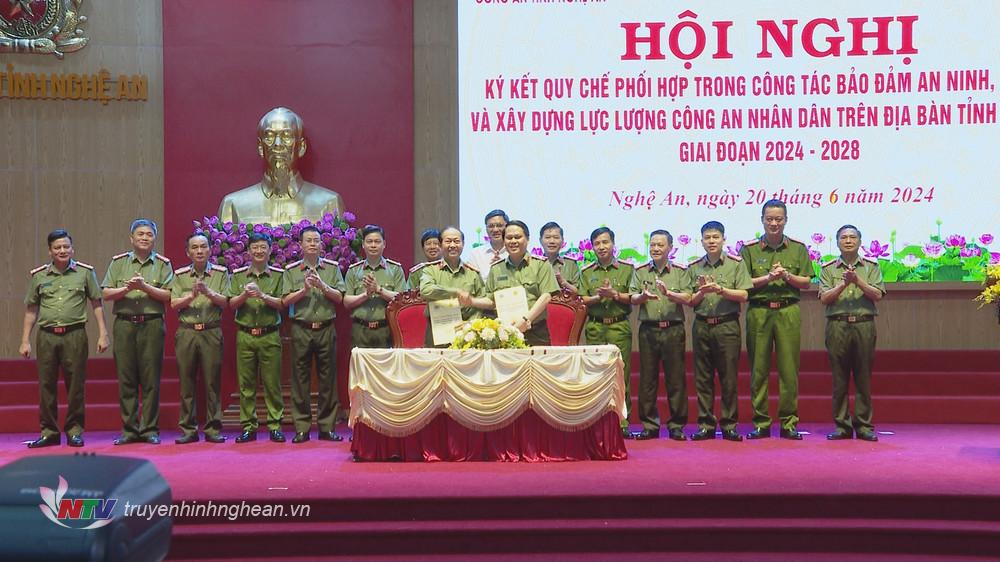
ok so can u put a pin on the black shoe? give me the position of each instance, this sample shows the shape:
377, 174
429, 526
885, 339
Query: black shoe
329, 436
75, 440
759, 433
647, 434
153, 439
247, 436
703, 434
627, 433
127, 440
300, 437
867, 436
277, 436
49, 441
838, 435
731, 435
791, 433
189, 438
677, 435
215, 438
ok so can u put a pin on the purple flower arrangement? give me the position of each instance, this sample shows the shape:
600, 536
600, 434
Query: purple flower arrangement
230, 241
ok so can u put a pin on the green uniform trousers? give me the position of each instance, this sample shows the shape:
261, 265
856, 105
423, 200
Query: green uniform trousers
716, 352
199, 351
851, 347
139, 361
662, 346
259, 356
619, 335
69, 352
777, 330
363, 336
320, 344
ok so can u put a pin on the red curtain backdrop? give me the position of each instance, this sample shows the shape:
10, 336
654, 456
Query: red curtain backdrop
346, 67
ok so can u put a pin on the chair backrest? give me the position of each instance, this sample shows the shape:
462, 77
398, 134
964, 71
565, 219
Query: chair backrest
566, 314
407, 319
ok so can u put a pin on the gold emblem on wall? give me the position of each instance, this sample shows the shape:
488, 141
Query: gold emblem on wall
41, 27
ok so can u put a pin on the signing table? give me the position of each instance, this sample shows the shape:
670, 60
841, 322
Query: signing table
537, 404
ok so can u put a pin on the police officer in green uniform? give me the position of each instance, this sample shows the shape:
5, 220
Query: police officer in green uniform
255, 293
566, 269
57, 300
721, 281
371, 284
312, 287
430, 243
850, 286
138, 283
531, 272
607, 286
451, 278
199, 294
779, 269
663, 288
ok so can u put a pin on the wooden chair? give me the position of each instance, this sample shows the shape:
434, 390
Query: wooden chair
566, 316
406, 315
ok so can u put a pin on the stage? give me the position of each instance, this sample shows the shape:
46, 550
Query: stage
928, 492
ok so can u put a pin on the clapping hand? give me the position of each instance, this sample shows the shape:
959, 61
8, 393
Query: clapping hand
605, 291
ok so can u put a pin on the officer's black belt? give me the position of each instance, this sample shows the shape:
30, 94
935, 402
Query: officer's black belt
852, 318
313, 325
60, 330
258, 331
608, 319
138, 318
774, 304
371, 324
200, 327
716, 320
661, 323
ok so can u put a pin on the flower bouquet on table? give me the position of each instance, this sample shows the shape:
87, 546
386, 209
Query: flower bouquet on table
487, 333
230, 241
991, 292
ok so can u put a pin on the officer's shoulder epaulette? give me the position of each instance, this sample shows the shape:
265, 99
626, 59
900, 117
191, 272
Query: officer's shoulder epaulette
496, 261
293, 265
627, 264
468, 265
162, 258
570, 258
794, 240
276, 268
588, 266
217, 267
241, 269
393, 262
831, 262
329, 261
356, 264
184, 269
869, 260
424, 264
644, 266
537, 257
119, 256
750, 242
84, 265
37, 269
735, 257
678, 265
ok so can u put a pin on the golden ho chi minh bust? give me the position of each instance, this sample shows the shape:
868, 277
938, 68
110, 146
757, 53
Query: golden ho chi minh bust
282, 196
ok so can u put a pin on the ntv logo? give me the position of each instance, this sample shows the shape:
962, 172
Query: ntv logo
58, 509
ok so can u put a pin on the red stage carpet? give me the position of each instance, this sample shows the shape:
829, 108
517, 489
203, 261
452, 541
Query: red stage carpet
926, 492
